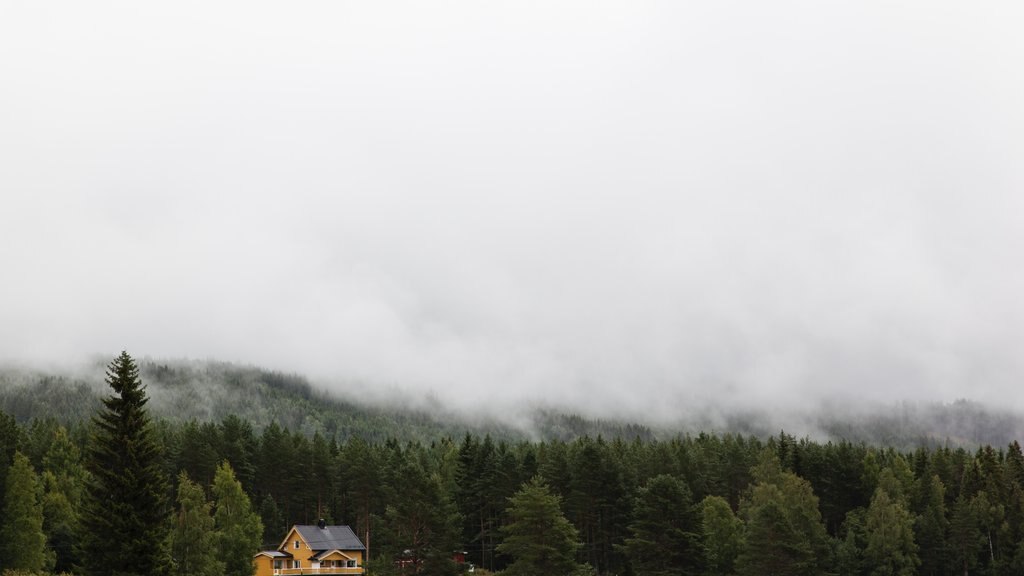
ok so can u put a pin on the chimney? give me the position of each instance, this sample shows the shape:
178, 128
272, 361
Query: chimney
322, 524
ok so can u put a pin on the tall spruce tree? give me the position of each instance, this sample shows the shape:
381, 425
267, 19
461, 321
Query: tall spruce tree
125, 509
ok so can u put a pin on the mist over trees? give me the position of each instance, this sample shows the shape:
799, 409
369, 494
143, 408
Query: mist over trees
704, 504
208, 392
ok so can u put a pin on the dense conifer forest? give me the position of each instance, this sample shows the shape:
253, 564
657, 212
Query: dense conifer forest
629, 503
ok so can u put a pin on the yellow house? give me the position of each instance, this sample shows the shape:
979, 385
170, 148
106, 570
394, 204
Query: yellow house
313, 549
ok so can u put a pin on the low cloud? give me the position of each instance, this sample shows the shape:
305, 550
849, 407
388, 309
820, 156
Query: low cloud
626, 211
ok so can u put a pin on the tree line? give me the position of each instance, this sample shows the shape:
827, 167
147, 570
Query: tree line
210, 391
699, 504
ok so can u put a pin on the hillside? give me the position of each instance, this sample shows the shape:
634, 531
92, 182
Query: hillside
209, 391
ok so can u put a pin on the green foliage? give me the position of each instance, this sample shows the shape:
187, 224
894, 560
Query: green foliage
191, 539
774, 544
811, 507
667, 538
932, 526
63, 480
538, 536
723, 535
420, 522
784, 530
274, 528
124, 516
238, 529
891, 550
22, 541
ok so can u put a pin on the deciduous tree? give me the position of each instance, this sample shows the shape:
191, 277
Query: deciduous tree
22, 541
192, 538
238, 529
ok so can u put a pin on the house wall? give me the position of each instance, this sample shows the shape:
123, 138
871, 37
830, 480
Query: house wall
302, 553
264, 565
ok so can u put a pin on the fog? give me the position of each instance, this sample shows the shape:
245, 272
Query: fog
628, 208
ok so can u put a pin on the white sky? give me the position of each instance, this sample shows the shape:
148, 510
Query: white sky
629, 206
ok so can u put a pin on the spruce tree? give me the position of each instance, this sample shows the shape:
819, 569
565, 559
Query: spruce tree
21, 534
125, 510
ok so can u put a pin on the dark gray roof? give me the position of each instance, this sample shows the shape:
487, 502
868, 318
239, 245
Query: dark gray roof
329, 538
276, 554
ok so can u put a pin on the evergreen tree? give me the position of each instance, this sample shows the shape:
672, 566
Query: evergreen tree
850, 550
125, 513
21, 531
965, 536
238, 447
274, 528
421, 520
191, 543
538, 536
931, 528
666, 539
238, 529
360, 483
9, 440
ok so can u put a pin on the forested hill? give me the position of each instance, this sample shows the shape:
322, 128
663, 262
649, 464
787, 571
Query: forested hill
209, 391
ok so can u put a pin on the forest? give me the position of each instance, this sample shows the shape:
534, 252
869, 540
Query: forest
689, 504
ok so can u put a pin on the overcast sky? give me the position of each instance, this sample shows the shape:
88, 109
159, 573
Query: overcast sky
629, 206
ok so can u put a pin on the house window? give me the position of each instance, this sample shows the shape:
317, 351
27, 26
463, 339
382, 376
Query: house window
351, 563
277, 564
296, 544
296, 564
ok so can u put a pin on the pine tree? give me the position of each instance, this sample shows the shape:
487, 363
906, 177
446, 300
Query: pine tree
238, 529
538, 536
125, 512
191, 544
21, 534
666, 539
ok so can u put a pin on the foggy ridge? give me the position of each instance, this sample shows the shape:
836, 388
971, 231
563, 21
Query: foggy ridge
210, 391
